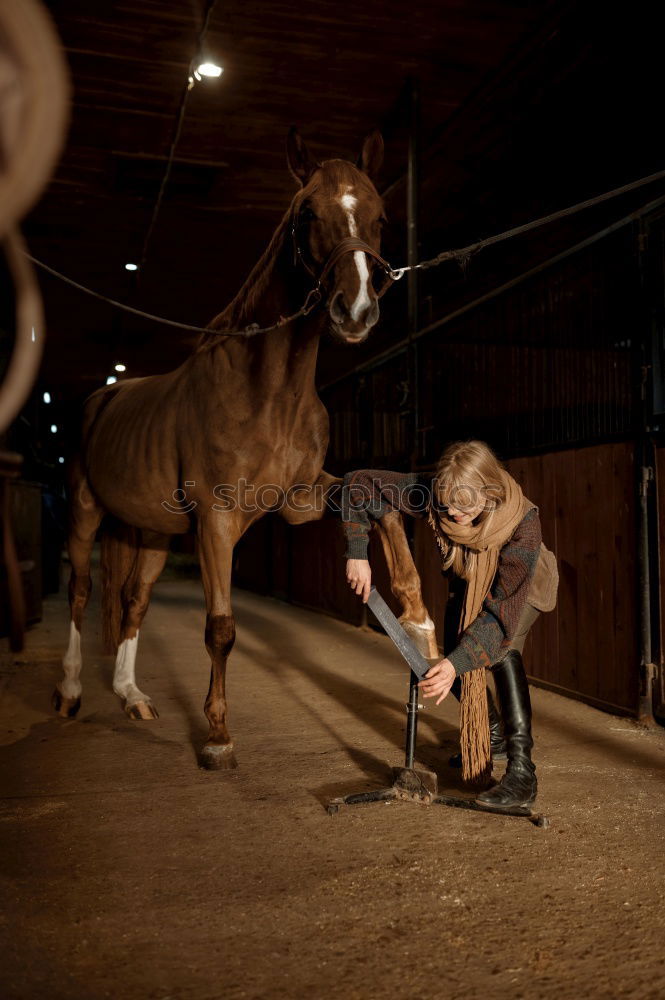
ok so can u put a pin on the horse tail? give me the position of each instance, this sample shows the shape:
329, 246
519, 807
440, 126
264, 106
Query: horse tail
119, 559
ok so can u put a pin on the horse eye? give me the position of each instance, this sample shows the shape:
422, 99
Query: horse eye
306, 214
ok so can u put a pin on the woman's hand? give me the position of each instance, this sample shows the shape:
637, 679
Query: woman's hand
438, 680
359, 576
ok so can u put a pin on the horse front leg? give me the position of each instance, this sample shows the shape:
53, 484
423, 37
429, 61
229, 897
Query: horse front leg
151, 559
405, 584
217, 537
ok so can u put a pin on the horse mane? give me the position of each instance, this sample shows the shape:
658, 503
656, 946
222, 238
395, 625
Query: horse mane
242, 308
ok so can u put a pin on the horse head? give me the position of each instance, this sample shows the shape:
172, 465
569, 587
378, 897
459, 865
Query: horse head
338, 200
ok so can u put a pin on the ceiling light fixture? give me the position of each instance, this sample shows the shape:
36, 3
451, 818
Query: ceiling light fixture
47, 397
209, 69
111, 379
121, 368
61, 460
131, 267
54, 428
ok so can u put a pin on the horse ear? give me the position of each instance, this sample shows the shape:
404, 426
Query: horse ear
300, 163
371, 156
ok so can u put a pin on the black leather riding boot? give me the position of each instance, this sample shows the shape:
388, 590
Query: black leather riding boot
518, 786
497, 742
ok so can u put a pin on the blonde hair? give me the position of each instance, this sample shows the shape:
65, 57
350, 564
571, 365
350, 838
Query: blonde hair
467, 473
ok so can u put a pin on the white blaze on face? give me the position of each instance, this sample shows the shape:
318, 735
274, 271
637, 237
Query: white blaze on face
362, 300
70, 685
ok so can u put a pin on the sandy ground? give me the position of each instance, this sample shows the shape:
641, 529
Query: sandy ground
127, 872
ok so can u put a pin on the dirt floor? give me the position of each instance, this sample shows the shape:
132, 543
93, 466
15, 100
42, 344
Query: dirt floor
128, 872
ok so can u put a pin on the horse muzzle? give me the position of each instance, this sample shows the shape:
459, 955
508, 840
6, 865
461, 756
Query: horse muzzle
351, 323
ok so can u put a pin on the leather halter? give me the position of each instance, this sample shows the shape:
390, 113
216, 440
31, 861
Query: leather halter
350, 244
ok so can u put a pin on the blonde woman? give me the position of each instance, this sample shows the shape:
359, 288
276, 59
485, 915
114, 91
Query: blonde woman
489, 536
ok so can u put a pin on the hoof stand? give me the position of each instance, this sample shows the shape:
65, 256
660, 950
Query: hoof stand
411, 785
65, 707
142, 710
218, 758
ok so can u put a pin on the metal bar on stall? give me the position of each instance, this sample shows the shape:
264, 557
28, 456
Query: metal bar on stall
644, 473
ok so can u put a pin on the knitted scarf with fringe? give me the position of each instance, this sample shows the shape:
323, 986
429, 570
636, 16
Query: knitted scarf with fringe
486, 541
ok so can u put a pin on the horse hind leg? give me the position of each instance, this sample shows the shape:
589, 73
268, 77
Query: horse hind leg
85, 518
136, 597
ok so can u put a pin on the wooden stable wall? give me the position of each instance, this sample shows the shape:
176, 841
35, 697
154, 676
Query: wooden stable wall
589, 643
587, 647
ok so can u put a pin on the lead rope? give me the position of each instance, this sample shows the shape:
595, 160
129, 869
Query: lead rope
461, 256
310, 303
313, 299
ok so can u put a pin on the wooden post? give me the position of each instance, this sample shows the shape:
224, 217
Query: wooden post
412, 184
645, 477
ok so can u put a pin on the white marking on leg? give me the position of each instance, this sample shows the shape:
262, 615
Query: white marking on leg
70, 685
427, 625
362, 300
124, 675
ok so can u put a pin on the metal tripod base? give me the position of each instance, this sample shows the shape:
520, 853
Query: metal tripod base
412, 785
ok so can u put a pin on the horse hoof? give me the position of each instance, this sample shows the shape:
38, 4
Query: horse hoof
142, 710
65, 707
218, 758
423, 637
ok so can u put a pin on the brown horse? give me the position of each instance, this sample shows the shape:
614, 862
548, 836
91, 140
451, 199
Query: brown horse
235, 430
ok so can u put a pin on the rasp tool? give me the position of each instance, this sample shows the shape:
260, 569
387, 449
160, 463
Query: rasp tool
413, 656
